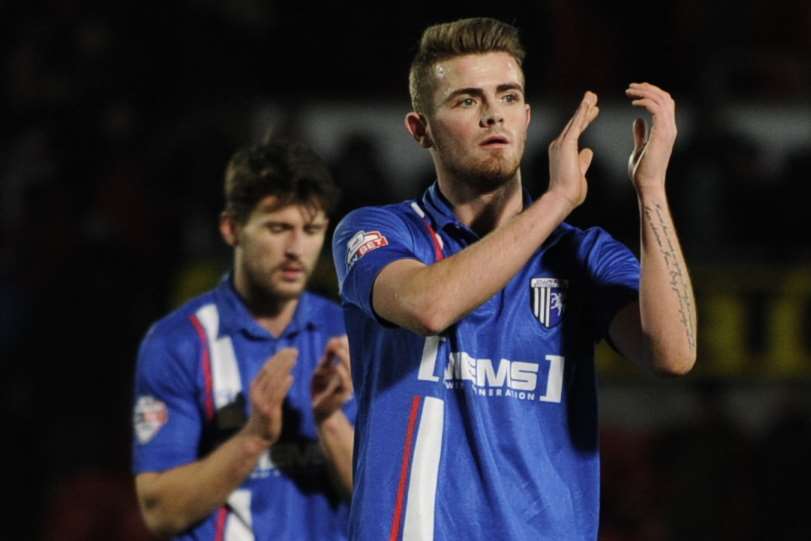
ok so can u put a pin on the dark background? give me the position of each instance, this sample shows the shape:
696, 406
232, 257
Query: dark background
117, 119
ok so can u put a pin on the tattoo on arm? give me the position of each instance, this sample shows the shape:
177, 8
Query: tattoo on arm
679, 281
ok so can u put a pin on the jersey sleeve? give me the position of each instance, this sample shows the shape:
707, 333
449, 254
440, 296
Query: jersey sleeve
614, 270
365, 241
167, 419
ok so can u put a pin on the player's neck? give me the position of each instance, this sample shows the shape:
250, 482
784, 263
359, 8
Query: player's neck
272, 312
484, 210
276, 318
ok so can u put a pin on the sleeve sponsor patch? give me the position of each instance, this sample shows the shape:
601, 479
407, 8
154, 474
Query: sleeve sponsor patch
362, 243
149, 416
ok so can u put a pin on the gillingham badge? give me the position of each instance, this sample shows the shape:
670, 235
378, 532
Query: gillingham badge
548, 300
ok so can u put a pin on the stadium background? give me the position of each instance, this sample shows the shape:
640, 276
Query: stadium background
117, 119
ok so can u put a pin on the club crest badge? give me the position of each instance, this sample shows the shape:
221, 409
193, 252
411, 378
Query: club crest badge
362, 243
149, 416
548, 300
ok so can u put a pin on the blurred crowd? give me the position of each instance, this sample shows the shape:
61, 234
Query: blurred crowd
707, 477
116, 126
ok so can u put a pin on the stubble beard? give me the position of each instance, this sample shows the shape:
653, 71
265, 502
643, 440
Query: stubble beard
488, 175
485, 175
269, 290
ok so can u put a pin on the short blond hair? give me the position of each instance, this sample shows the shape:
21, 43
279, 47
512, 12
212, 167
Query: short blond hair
440, 42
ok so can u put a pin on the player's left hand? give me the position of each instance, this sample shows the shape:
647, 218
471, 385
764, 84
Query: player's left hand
331, 384
647, 164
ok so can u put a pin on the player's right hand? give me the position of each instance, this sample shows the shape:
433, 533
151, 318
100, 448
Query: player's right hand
268, 391
567, 164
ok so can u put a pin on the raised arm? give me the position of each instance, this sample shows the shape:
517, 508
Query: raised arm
429, 298
659, 331
173, 500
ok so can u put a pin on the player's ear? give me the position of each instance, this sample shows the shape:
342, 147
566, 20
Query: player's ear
417, 125
229, 229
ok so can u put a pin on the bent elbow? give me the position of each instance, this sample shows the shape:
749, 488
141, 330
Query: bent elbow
161, 522
675, 364
431, 320
419, 314
158, 524
429, 327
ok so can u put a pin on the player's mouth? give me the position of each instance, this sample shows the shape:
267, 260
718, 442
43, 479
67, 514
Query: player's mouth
495, 141
293, 272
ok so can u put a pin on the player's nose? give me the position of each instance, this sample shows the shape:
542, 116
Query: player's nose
490, 116
295, 243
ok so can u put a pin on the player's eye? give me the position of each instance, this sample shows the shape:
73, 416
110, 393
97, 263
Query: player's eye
512, 97
466, 102
313, 229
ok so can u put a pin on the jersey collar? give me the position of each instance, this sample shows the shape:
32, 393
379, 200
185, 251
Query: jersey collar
439, 208
235, 316
441, 211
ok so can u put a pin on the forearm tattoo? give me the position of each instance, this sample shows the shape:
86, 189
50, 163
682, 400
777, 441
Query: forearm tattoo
679, 283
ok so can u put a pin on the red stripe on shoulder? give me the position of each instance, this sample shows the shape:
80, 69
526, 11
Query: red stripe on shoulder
438, 253
205, 361
219, 532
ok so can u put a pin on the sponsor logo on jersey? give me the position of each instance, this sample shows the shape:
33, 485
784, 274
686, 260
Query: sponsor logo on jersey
548, 300
149, 415
506, 378
362, 243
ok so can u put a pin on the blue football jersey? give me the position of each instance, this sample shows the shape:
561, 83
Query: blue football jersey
192, 389
488, 431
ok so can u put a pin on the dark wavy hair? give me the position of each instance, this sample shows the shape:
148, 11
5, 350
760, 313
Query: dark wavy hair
290, 171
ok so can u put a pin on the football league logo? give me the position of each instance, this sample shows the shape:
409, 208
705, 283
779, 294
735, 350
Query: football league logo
362, 243
149, 415
548, 300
